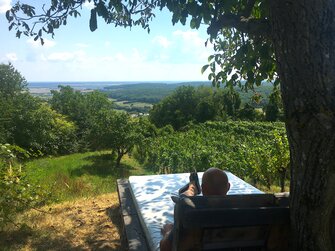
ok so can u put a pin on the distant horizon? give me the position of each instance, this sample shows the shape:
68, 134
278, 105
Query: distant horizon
121, 81
99, 84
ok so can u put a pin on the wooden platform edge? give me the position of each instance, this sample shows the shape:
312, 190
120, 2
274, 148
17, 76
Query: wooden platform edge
132, 230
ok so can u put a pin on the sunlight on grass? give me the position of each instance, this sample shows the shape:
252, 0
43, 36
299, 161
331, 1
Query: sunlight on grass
83, 224
80, 175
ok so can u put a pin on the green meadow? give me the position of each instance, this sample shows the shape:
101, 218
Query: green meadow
80, 175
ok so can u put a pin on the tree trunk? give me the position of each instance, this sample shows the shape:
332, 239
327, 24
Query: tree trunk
303, 34
282, 178
118, 158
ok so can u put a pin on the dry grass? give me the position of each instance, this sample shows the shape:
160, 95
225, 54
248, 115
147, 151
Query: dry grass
86, 224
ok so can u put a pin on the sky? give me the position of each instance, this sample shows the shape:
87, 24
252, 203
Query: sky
167, 53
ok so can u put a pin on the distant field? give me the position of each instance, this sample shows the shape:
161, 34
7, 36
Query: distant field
135, 104
151, 93
140, 97
146, 92
126, 103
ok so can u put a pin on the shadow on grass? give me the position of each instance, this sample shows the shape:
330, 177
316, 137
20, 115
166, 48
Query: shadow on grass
23, 237
50, 238
18, 237
38, 240
113, 214
103, 165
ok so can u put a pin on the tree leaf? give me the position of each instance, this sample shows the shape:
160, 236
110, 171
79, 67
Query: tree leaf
204, 68
11, 26
9, 18
210, 58
93, 20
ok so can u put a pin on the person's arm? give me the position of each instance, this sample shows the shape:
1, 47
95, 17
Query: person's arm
166, 242
167, 230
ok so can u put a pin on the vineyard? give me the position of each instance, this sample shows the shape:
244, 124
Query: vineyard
257, 152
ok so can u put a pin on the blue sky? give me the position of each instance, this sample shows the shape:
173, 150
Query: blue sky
168, 53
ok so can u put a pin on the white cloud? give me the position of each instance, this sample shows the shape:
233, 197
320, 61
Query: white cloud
162, 41
60, 56
134, 57
5, 5
107, 59
36, 44
77, 66
89, 5
162, 57
193, 44
191, 37
108, 44
76, 57
120, 57
137, 56
82, 45
12, 57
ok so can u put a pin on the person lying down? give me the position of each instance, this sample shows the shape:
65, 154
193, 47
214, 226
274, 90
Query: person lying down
214, 182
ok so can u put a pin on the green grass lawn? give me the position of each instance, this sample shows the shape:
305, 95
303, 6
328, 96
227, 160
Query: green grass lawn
80, 175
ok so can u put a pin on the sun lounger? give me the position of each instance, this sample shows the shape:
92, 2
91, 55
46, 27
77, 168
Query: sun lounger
146, 205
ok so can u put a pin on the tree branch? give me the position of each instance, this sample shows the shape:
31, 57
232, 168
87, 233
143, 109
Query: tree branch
248, 9
251, 26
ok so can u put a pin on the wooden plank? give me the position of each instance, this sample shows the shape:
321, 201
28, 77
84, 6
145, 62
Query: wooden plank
135, 235
132, 227
125, 198
234, 217
225, 222
230, 201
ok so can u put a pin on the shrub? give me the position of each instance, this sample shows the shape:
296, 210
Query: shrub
17, 194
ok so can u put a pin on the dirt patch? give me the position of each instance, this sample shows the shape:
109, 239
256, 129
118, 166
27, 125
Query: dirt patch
87, 224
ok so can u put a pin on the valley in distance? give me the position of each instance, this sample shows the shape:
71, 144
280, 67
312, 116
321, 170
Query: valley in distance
136, 97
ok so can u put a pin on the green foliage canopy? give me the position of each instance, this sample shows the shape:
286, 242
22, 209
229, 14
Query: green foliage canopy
188, 104
115, 130
12, 83
29, 122
81, 108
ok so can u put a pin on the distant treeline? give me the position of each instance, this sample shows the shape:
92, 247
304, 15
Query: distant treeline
146, 92
154, 92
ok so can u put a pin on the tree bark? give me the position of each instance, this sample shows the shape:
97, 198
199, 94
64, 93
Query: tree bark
303, 33
282, 178
118, 158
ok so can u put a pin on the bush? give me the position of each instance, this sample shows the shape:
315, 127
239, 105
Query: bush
17, 194
257, 151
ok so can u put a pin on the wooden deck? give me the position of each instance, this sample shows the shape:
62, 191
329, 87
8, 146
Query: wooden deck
133, 235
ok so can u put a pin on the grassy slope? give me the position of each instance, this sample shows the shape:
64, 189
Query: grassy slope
87, 217
85, 224
80, 175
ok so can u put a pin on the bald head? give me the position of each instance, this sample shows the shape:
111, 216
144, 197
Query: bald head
215, 182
